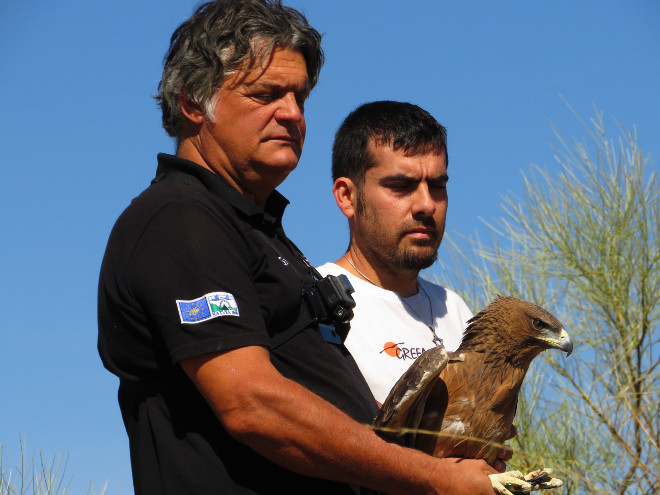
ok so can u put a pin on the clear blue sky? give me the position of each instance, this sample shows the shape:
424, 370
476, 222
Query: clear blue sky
79, 135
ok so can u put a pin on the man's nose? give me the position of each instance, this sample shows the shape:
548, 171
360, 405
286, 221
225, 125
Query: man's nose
423, 202
289, 109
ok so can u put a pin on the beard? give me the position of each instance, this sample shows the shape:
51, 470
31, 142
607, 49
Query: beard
390, 249
410, 260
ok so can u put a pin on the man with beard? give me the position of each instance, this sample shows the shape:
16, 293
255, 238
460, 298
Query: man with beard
389, 167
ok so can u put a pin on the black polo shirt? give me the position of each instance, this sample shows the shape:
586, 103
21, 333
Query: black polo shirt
193, 267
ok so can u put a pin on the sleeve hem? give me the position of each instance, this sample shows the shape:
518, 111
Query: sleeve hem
216, 345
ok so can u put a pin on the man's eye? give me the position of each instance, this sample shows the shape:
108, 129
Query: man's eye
265, 97
399, 186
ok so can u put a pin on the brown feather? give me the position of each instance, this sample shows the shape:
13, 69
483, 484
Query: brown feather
475, 394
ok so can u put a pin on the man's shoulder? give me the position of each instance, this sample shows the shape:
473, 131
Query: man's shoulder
170, 210
330, 268
358, 284
451, 298
168, 190
435, 287
164, 196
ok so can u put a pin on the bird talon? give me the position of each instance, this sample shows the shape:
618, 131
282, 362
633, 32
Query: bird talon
537, 473
515, 483
552, 483
541, 479
510, 483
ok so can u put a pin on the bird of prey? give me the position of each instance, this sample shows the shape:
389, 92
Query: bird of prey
470, 396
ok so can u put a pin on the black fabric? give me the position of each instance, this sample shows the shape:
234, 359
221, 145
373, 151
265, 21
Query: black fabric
178, 242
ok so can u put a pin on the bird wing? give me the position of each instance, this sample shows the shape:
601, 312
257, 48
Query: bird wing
405, 403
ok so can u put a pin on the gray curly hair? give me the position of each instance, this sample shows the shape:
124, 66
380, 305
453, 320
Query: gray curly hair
220, 37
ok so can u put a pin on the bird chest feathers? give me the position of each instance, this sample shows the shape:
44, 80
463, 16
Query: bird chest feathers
483, 412
463, 405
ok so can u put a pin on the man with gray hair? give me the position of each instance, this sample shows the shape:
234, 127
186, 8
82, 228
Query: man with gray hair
208, 313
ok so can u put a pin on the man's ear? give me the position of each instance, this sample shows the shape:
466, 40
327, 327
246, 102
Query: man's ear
345, 193
192, 111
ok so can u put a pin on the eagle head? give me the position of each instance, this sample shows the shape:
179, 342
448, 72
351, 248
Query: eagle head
517, 328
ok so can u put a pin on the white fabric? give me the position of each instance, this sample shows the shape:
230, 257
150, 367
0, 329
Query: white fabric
386, 336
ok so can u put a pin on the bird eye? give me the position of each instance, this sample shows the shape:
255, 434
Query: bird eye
538, 324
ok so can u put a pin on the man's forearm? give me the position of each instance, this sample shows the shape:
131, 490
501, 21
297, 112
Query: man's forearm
300, 431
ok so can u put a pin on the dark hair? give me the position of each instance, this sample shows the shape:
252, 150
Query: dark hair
396, 124
220, 37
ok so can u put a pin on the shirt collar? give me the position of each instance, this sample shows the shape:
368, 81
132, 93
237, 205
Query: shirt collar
170, 164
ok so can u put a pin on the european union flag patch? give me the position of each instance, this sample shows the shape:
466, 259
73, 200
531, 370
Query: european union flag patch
206, 307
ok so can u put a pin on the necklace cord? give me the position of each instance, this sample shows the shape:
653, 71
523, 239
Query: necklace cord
360, 273
436, 340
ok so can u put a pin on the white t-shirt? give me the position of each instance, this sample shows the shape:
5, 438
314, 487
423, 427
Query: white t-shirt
386, 336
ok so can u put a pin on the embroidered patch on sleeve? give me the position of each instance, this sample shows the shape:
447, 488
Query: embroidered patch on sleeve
206, 307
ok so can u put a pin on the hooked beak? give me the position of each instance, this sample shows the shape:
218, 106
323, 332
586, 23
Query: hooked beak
563, 343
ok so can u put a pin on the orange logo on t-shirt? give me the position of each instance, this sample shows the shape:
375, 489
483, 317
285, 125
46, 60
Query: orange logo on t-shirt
391, 349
